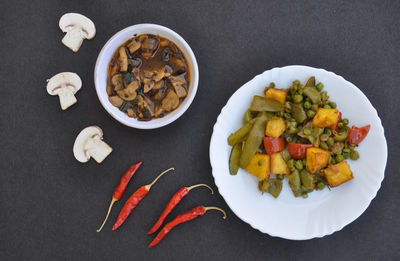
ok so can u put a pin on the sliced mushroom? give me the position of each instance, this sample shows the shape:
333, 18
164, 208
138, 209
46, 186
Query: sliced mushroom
178, 83
134, 45
148, 85
89, 144
130, 92
77, 28
115, 100
65, 85
180, 91
123, 59
159, 74
114, 69
158, 85
168, 70
178, 64
117, 82
170, 102
131, 113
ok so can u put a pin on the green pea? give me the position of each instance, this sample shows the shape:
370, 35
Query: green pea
304, 195
320, 86
290, 164
297, 98
307, 131
346, 150
324, 96
307, 105
354, 155
272, 85
288, 139
339, 158
345, 121
330, 141
310, 113
332, 104
346, 155
298, 164
314, 107
326, 106
320, 185
296, 82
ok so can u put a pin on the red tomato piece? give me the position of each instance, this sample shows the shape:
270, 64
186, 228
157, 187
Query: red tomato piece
356, 135
298, 150
273, 145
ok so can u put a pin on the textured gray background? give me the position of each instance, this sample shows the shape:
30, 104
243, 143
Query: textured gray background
50, 205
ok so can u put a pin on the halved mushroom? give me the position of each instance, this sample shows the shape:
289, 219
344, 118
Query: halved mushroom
170, 102
77, 27
178, 83
158, 85
148, 85
123, 59
65, 85
130, 92
117, 82
89, 143
134, 45
159, 74
115, 100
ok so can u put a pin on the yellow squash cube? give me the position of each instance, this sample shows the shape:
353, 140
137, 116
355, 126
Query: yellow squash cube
278, 164
276, 94
259, 166
316, 159
325, 117
338, 174
275, 127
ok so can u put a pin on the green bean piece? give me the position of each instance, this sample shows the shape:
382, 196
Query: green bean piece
324, 96
320, 185
324, 137
298, 113
297, 98
307, 131
307, 105
323, 145
295, 183
328, 131
234, 158
320, 86
339, 136
307, 181
313, 94
240, 134
345, 121
330, 141
339, 158
332, 104
314, 107
354, 155
326, 106
298, 164
310, 114
346, 155
272, 186
247, 116
290, 164
296, 82
332, 161
254, 140
316, 132
260, 103
285, 154
346, 149
310, 81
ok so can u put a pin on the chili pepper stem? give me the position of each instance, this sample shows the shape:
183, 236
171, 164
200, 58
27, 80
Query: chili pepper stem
108, 213
148, 187
216, 208
200, 185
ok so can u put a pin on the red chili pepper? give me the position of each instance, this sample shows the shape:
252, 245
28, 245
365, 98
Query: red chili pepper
182, 218
134, 200
120, 189
335, 126
356, 135
273, 145
297, 150
176, 198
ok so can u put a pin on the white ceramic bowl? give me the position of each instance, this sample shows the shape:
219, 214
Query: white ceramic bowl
323, 212
100, 74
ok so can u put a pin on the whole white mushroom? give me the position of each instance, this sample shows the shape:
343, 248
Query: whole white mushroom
89, 144
77, 28
65, 85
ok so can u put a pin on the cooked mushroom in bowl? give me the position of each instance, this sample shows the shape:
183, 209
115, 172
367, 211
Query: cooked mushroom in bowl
148, 77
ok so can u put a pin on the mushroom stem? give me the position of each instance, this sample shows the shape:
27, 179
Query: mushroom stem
67, 97
97, 149
73, 39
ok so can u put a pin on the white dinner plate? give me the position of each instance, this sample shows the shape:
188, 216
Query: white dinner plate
323, 212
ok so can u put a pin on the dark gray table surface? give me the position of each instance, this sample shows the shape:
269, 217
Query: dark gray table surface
51, 205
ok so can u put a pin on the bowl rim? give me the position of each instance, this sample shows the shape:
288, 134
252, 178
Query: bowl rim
174, 115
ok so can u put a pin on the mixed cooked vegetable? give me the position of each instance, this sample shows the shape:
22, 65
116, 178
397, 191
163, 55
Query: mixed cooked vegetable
148, 77
296, 133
